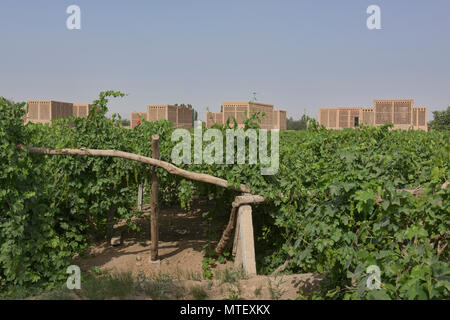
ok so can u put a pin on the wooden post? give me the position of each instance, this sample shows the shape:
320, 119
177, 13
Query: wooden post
140, 192
245, 247
110, 225
154, 208
236, 238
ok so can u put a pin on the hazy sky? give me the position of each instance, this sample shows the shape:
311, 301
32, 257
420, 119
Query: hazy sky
295, 54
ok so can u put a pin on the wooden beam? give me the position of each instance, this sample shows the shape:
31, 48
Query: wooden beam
201, 177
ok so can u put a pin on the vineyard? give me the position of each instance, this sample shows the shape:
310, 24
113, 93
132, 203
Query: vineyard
340, 202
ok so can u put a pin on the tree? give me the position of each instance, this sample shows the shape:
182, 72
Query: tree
441, 120
118, 119
301, 124
125, 122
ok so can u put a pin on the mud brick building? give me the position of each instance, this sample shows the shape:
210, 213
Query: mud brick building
135, 117
279, 119
40, 111
44, 111
401, 113
181, 117
81, 110
213, 117
240, 110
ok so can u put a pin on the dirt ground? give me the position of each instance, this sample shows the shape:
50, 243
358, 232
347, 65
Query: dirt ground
182, 237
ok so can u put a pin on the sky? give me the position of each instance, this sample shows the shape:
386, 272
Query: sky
298, 55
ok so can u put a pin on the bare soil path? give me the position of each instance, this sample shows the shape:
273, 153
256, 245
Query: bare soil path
182, 237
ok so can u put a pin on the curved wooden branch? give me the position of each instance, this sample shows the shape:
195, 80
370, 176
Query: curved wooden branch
238, 201
416, 192
281, 268
226, 235
201, 177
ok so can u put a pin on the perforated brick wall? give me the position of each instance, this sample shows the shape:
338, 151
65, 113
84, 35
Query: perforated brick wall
218, 117
235, 110
415, 113
282, 116
184, 117
420, 118
343, 118
81, 110
396, 111
401, 113
43, 111
172, 114
210, 119
383, 112
213, 117
157, 112
368, 116
135, 117
241, 110
324, 117
33, 110
181, 117
268, 122
279, 119
333, 118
